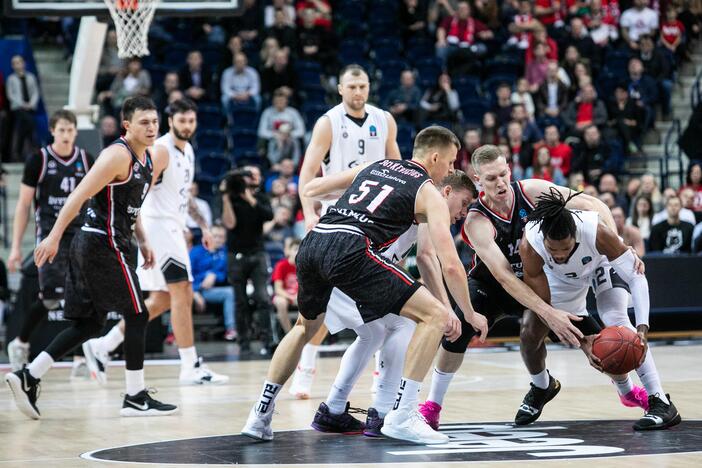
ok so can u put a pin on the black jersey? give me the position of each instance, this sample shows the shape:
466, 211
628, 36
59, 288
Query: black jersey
114, 210
54, 178
380, 201
508, 232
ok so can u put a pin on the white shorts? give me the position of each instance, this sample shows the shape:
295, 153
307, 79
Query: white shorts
566, 295
341, 313
167, 240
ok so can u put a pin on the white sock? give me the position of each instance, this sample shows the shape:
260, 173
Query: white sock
40, 365
623, 386
408, 395
20, 342
540, 380
268, 395
188, 357
648, 374
308, 360
114, 338
385, 396
439, 386
135, 381
353, 363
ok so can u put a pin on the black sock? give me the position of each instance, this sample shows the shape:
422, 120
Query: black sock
36, 313
69, 338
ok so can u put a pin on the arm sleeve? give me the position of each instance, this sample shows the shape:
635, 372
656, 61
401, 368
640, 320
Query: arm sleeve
638, 285
32, 170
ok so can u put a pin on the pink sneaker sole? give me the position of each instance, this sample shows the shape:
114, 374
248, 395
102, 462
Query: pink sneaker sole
638, 397
431, 412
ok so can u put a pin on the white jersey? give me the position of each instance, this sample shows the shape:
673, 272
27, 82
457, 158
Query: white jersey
168, 199
354, 144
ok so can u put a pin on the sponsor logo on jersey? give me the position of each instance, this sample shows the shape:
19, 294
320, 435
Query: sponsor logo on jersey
132, 210
399, 167
345, 134
385, 174
51, 164
586, 260
373, 131
79, 166
523, 214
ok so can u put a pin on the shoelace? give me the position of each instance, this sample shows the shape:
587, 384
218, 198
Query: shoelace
656, 405
357, 410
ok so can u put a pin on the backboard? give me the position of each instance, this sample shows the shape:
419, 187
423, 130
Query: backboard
98, 8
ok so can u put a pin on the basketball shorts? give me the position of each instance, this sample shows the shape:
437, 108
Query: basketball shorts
101, 279
52, 276
341, 256
571, 295
167, 240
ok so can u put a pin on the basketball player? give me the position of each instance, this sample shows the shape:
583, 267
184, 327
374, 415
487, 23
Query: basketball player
564, 252
163, 215
101, 267
493, 228
342, 251
391, 333
349, 134
49, 177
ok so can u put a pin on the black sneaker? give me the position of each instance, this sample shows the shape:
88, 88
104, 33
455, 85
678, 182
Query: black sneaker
373, 424
659, 415
142, 404
25, 389
535, 400
342, 423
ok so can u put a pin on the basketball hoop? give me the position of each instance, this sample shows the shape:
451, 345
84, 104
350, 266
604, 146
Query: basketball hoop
132, 19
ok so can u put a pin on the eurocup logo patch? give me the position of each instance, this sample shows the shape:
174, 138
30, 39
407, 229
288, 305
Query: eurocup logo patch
586, 260
523, 214
373, 131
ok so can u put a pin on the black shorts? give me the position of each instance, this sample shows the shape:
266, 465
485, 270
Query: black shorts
588, 326
341, 258
101, 279
489, 299
52, 276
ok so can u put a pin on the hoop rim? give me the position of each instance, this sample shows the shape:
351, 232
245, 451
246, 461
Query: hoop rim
19, 9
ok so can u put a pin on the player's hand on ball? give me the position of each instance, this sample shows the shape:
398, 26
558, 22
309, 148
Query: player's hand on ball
453, 327
586, 346
480, 323
148, 254
560, 322
46, 251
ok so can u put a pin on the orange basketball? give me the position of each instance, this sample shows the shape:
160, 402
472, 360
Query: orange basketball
127, 4
619, 348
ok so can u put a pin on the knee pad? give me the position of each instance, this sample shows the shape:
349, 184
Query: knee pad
51, 304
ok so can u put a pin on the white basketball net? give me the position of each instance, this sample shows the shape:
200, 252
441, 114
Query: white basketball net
132, 19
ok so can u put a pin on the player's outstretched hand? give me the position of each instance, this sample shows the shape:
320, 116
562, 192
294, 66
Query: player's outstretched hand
148, 254
586, 346
14, 261
46, 251
207, 240
479, 322
453, 327
561, 323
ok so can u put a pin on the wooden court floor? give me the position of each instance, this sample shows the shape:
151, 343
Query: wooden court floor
79, 416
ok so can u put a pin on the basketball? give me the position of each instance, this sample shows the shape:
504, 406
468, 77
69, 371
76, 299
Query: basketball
619, 348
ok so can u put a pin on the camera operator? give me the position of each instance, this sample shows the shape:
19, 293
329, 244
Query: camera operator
244, 210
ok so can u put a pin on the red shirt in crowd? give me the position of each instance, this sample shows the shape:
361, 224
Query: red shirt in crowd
549, 18
697, 204
561, 155
551, 50
462, 31
584, 112
320, 21
287, 273
671, 31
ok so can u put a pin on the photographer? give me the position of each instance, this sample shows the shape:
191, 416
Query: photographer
244, 210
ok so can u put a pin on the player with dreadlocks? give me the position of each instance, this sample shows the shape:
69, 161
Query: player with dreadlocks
564, 253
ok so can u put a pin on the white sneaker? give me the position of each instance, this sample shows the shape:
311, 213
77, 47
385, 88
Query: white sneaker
200, 374
301, 386
411, 426
18, 353
97, 360
258, 426
79, 370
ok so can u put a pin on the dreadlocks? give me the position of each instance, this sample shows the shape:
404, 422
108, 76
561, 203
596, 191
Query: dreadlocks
556, 221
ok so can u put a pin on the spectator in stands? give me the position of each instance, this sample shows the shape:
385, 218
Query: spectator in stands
690, 15
522, 96
672, 34
4, 120
276, 231
277, 114
240, 84
487, 11
591, 154
632, 189
570, 59
110, 63
284, 31
403, 101
503, 105
285, 284
202, 205
542, 168
581, 40
630, 234
171, 82
458, 38
283, 146
280, 195
413, 19
471, 142
649, 187
552, 95
539, 36
576, 181
210, 279
685, 214
109, 130
235, 45
602, 33
270, 11
694, 182
438, 10
657, 66
585, 111
608, 199
284, 171
519, 152
131, 81
641, 215
608, 184
672, 236
195, 79
561, 153
490, 130
625, 119
250, 22
536, 69
441, 103
244, 214
22, 90
315, 42
322, 12
637, 21
531, 132
548, 12
281, 74
268, 50
522, 24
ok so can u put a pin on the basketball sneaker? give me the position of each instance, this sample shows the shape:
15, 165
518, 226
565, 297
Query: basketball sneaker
79, 369
659, 415
96, 359
431, 412
258, 426
374, 423
301, 386
410, 425
200, 374
343, 423
637, 397
18, 353
534, 401
25, 390
142, 404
